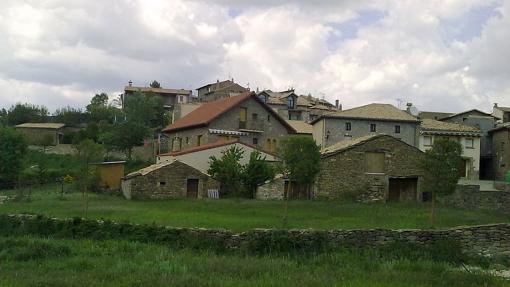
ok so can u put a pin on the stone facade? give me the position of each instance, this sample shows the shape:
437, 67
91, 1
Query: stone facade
470, 197
344, 174
271, 190
168, 180
328, 131
261, 128
487, 240
501, 152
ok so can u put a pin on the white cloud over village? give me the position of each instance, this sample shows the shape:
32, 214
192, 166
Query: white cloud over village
440, 55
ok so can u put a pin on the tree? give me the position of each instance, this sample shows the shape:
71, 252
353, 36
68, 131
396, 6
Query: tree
70, 116
146, 108
255, 173
12, 150
441, 164
99, 111
3, 117
87, 152
228, 170
26, 113
155, 84
300, 163
125, 136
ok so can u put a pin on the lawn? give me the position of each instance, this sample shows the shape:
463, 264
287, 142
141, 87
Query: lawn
240, 215
33, 261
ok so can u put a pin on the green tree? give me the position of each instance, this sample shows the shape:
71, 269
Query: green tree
3, 117
300, 163
255, 173
125, 136
12, 151
147, 109
228, 170
70, 116
155, 84
100, 112
26, 113
441, 164
87, 152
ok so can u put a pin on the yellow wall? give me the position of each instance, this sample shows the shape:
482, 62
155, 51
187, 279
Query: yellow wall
111, 175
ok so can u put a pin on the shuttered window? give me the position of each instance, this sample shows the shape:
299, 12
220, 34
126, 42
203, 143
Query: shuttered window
374, 162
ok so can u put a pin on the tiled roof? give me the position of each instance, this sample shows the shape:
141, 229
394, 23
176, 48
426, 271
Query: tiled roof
501, 127
433, 125
385, 112
433, 115
348, 144
41, 125
467, 112
157, 90
504, 109
301, 127
154, 167
208, 112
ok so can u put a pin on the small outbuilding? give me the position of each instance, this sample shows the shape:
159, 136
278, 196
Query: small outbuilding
110, 173
37, 133
371, 168
171, 179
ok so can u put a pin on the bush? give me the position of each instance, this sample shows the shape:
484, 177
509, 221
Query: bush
23, 249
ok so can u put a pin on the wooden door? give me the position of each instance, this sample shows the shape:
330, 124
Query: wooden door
402, 189
192, 188
394, 190
462, 168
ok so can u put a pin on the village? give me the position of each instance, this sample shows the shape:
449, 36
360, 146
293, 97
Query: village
255, 143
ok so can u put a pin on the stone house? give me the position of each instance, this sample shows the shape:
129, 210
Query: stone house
295, 107
366, 120
219, 90
372, 168
243, 117
173, 179
467, 136
36, 133
501, 113
198, 157
170, 97
501, 150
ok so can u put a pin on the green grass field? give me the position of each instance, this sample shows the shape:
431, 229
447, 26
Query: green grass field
240, 215
32, 261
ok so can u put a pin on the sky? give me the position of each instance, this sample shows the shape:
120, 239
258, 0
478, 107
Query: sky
447, 55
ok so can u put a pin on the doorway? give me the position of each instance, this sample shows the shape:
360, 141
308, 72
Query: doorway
402, 189
192, 188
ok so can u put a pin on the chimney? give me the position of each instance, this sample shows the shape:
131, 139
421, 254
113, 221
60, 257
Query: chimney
130, 83
495, 105
257, 90
217, 80
409, 105
337, 104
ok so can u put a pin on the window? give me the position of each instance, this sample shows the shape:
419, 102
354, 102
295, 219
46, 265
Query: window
397, 129
273, 148
180, 143
347, 126
427, 141
290, 102
199, 140
254, 116
470, 143
374, 162
373, 128
181, 99
268, 118
255, 141
162, 183
187, 140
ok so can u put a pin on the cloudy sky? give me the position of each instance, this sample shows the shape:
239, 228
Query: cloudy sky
444, 55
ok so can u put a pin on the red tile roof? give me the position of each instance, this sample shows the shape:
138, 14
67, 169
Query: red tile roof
208, 112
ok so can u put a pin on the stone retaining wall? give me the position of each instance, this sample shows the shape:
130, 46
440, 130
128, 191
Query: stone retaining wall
470, 197
492, 239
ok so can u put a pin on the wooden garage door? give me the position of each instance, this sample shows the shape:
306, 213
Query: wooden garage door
402, 189
192, 188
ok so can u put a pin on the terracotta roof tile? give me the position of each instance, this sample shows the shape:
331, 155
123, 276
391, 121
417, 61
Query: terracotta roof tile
374, 111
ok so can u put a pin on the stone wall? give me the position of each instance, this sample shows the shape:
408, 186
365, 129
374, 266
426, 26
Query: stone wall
489, 239
273, 189
343, 175
470, 197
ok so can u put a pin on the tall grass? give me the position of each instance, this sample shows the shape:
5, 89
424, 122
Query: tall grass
122, 263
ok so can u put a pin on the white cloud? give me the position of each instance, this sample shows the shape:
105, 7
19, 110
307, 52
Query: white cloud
62, 52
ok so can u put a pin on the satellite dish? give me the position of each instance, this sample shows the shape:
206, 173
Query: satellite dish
414, 111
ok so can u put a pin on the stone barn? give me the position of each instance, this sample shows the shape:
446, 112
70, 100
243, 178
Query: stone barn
167, 180
373, 168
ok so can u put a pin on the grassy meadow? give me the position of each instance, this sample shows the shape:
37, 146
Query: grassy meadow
240, 215
33, 261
